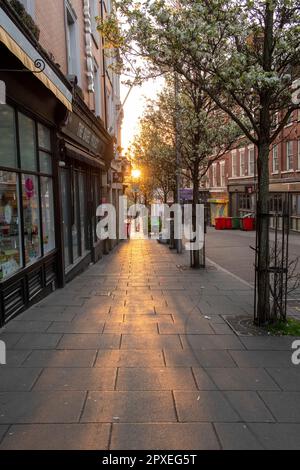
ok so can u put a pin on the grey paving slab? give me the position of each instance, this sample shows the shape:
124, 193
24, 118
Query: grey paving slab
277, 436
211, 342
130, 407
287, 379
151, 342
76, 327
90, 341
237, 436
187, 358
221, 329
155, 379
208, 406
15, 358
249, 406
57, 437
61, 299
285, 406
283, 343
242, 379
203, 380
27, 326
192, 436
40, 407
48, 314
63, 358
130, 327
192, 328
10, 339
262, 358
38, 341
17, 378
129, 358
76, 379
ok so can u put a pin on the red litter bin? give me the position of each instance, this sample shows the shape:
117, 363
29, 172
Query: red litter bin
228, 223
219, 223
248, 224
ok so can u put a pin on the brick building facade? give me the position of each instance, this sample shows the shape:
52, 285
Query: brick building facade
232, 180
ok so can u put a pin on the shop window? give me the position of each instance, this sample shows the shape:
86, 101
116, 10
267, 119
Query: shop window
8, 146
296, 205
27, 226
31, 218
10, 232
45, 163
75, 218
44, 137
66, 215
48, 222
27, 143
83, 213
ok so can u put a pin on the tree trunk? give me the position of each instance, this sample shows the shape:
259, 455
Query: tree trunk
263, 261
196, 253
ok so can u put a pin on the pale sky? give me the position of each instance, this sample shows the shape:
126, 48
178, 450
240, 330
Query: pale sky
133, 109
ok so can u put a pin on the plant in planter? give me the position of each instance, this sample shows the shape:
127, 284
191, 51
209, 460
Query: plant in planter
25, 18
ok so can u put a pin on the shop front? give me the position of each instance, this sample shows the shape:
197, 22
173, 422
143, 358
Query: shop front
218, 207
242, 199
85, 155
286, 195
36, 103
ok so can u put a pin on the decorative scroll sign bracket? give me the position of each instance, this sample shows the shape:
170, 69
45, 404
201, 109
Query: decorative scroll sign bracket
39, 65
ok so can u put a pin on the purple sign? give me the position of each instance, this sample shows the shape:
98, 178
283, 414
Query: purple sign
186, 194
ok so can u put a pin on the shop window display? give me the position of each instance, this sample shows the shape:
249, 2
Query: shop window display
47, 214
10, 244
31, 217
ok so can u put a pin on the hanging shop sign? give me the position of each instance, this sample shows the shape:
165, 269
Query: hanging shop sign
117, 177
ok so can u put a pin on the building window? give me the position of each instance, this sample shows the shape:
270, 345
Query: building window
289, 155
214, 172
94, 13
275, 161
234, 163
222, 173
27, 225
242, 163
73, 49
251, 161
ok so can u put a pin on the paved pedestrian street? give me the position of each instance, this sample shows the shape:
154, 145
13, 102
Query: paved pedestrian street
135, 354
